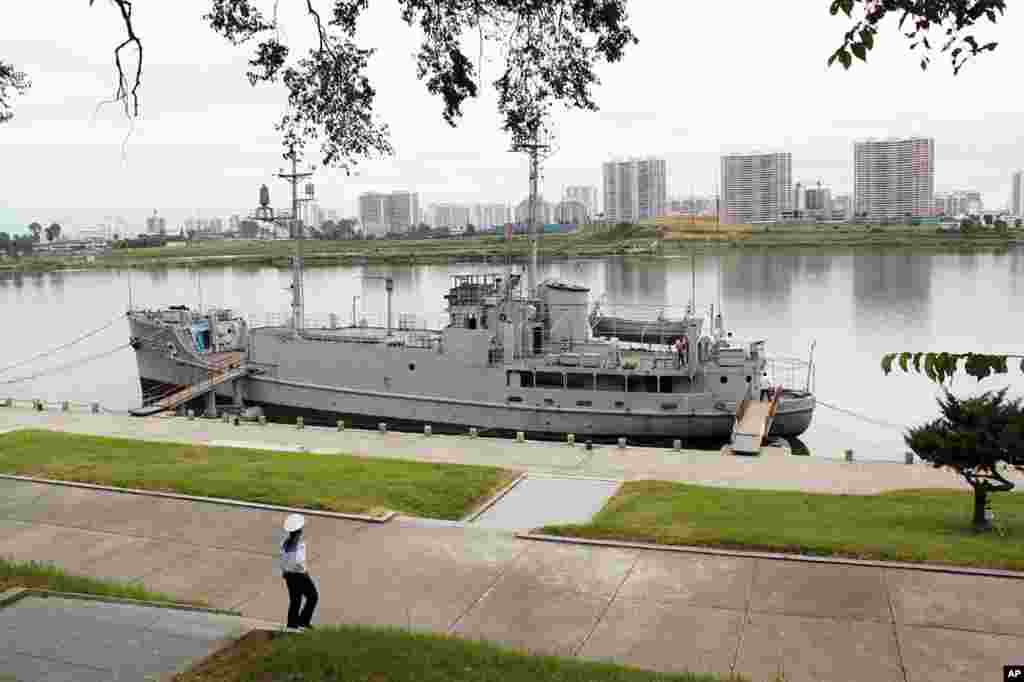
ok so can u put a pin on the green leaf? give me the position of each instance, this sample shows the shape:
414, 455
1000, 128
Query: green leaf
904, 357
977, 366
917, 362
859, 51
929, 366
845, 59
868, 38
887, 362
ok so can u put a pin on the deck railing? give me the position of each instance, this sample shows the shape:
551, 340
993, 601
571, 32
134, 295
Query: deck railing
790, 373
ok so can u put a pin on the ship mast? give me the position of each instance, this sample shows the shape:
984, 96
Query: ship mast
533, 149
297, 233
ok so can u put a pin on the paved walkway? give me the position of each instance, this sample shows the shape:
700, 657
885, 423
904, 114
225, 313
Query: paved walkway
54, 639
659, 610
775, 472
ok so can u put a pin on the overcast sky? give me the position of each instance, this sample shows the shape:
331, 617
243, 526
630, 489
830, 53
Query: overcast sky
705, 79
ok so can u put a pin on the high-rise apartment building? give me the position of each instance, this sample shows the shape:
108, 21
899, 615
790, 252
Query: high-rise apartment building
488, 216
819, 201
571, 212
545, 212
586, 195
842, 207
450, 216
894, 178
634, 189
381, 214
402, 210
372, 214
756, 188
1017, 195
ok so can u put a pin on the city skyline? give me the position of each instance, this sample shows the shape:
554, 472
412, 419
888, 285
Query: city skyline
205, 137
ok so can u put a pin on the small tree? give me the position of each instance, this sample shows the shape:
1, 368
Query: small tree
979, 438
52, 232
36, 229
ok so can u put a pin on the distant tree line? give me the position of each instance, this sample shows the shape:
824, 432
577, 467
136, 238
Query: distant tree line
16, 245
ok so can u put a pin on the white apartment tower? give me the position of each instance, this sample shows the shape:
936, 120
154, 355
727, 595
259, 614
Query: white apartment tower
403, 211
381, 214
756, 188
586, 195
1017, 195
634, 189
894, 178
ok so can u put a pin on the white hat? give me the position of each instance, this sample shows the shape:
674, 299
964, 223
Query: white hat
294, 522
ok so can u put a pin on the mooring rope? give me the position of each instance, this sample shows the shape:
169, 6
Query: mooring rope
857, 415
57, 349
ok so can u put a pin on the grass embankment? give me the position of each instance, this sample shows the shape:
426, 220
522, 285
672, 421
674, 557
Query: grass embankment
918, 526
341, 483
42, 576
590, 241
389, 655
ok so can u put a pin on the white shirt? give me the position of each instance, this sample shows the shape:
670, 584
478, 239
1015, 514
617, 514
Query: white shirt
295, 560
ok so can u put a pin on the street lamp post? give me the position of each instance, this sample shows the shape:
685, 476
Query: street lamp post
354, 299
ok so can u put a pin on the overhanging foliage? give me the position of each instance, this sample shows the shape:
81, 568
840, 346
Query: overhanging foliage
941, 366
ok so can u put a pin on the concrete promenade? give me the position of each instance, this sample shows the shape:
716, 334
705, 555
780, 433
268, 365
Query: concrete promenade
770, 472
654, 609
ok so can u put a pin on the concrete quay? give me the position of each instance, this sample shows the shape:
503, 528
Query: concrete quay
660, 610
769, 472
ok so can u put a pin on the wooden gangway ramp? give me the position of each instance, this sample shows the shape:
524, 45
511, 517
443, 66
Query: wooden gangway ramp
191, 392
753, 422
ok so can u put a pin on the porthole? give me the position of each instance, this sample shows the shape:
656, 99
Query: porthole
412, 368
748, 379
724, 380
515, 399
619, 403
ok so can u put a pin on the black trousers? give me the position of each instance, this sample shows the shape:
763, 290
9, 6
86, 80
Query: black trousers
300, 585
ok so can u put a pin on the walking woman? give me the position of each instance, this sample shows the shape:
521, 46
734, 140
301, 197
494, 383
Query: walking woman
293, 567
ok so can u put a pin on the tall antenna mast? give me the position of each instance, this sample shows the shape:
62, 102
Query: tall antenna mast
296, 232
533, 149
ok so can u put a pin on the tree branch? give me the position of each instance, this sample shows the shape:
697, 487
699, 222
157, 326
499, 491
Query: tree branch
130, 98
14, 80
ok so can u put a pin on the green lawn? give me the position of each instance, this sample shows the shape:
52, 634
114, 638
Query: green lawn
48, 577
390, 655
341, 483
913, 525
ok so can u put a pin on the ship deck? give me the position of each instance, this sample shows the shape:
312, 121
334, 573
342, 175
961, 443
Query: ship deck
410, 338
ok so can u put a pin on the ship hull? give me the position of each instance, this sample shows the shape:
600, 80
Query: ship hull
317, 404
301, 378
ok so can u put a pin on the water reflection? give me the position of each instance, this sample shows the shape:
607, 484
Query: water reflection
891, 289
643, 281
765, 276
815, 266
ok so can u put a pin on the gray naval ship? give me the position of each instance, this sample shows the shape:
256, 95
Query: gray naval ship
511, 358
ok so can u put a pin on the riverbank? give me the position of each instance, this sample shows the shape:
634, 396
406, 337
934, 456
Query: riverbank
641, 240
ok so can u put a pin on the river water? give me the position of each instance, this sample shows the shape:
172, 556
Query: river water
857, 305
